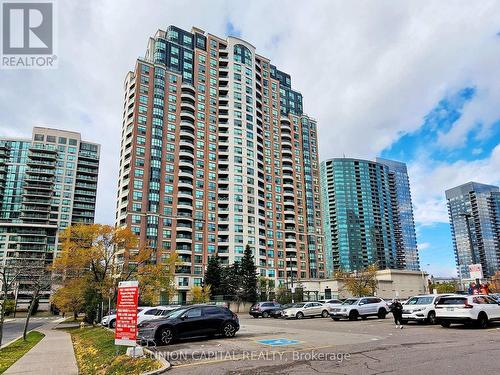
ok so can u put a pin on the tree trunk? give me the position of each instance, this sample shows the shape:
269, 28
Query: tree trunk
2, 317
75, 315
30, 310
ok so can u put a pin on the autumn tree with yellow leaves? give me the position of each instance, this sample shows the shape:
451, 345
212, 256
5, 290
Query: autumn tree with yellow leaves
361, 282
97, 257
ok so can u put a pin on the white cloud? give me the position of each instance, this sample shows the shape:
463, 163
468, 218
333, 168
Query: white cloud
369, 71
423, 246
430, 179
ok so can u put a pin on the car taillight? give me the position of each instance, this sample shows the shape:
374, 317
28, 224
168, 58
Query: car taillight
468, 306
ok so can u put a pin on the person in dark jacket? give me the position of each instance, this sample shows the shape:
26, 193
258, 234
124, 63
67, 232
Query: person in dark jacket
397, 312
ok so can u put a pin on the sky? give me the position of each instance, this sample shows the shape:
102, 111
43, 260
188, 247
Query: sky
416, 81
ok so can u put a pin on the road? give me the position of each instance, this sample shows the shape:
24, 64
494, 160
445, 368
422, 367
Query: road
323, 346
13, 328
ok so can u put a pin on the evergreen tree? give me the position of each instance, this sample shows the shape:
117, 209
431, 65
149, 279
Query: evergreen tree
231, 280
213, 275
248, 274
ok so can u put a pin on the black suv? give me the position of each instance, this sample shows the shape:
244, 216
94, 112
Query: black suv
264, 309
189, 321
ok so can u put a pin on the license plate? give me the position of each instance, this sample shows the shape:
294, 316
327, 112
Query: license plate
449, 309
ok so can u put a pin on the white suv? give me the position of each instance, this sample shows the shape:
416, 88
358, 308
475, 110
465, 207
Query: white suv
352, 308
478, 309
421, 308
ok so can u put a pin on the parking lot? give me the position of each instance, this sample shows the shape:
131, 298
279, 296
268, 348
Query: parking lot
321, 345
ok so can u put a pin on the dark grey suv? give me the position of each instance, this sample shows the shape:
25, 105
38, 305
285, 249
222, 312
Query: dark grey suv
264, 309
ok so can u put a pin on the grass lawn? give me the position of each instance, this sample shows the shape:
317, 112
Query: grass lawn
10, 354
72, 320
95, 352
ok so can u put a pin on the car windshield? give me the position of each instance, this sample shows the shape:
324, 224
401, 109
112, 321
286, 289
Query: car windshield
299, 305
176, 313
420, 301
350, 301
288, 305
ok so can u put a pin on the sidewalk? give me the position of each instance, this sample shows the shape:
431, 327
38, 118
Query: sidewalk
52, 355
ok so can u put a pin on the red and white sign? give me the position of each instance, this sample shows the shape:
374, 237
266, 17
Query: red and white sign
476, 271
126, 313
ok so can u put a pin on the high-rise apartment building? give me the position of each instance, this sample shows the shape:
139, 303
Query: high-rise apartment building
406, 238
367, 215
216, 154
474, 211
47, 183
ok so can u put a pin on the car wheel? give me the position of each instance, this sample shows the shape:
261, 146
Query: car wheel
324, 314
445, 324
336, 319
229, 330
353, 315
482, 320
112, 324
431, 318
265, 314
166, 336
255, 316
299, 315
381, 314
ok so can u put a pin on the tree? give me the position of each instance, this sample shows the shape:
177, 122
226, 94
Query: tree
283, 295
248, 272
450, 287
360, 283
92, 252
213, 275
9, 276
231, 280
200, 294
157, 279
265, 287
71, 297
38, 279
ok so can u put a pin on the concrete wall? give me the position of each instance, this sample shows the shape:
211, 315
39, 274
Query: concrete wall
390, 284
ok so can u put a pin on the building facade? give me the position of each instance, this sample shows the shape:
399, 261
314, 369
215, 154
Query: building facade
367, 215
216, 154
474, 210
406, 237
47, 183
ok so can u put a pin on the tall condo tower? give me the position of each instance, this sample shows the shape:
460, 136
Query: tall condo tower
217, 154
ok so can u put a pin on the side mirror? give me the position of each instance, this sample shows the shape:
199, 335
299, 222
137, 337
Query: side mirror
183, 317
361, 303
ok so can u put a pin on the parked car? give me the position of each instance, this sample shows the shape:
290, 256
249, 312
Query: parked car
303, 309
190, 321
148, 313
477, 309
421, 308
353, 308
278, 313
332, 303
263, 309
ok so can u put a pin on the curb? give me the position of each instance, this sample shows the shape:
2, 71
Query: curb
165, 364
17, 338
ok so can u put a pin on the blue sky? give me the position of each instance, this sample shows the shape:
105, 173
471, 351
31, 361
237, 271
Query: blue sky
434, 239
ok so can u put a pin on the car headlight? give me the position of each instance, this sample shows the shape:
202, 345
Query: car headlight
416, 310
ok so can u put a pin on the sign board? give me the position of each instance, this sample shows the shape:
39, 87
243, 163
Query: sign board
476, 271
126, 313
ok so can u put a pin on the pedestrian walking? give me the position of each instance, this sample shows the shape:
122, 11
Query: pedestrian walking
397, 312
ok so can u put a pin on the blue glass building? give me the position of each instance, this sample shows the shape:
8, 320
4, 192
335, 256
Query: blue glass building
474, 211
367, 215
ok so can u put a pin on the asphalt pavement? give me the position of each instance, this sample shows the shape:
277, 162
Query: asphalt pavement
321, 345
13, 328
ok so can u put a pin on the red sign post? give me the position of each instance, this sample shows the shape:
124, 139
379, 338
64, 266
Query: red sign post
126, 313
